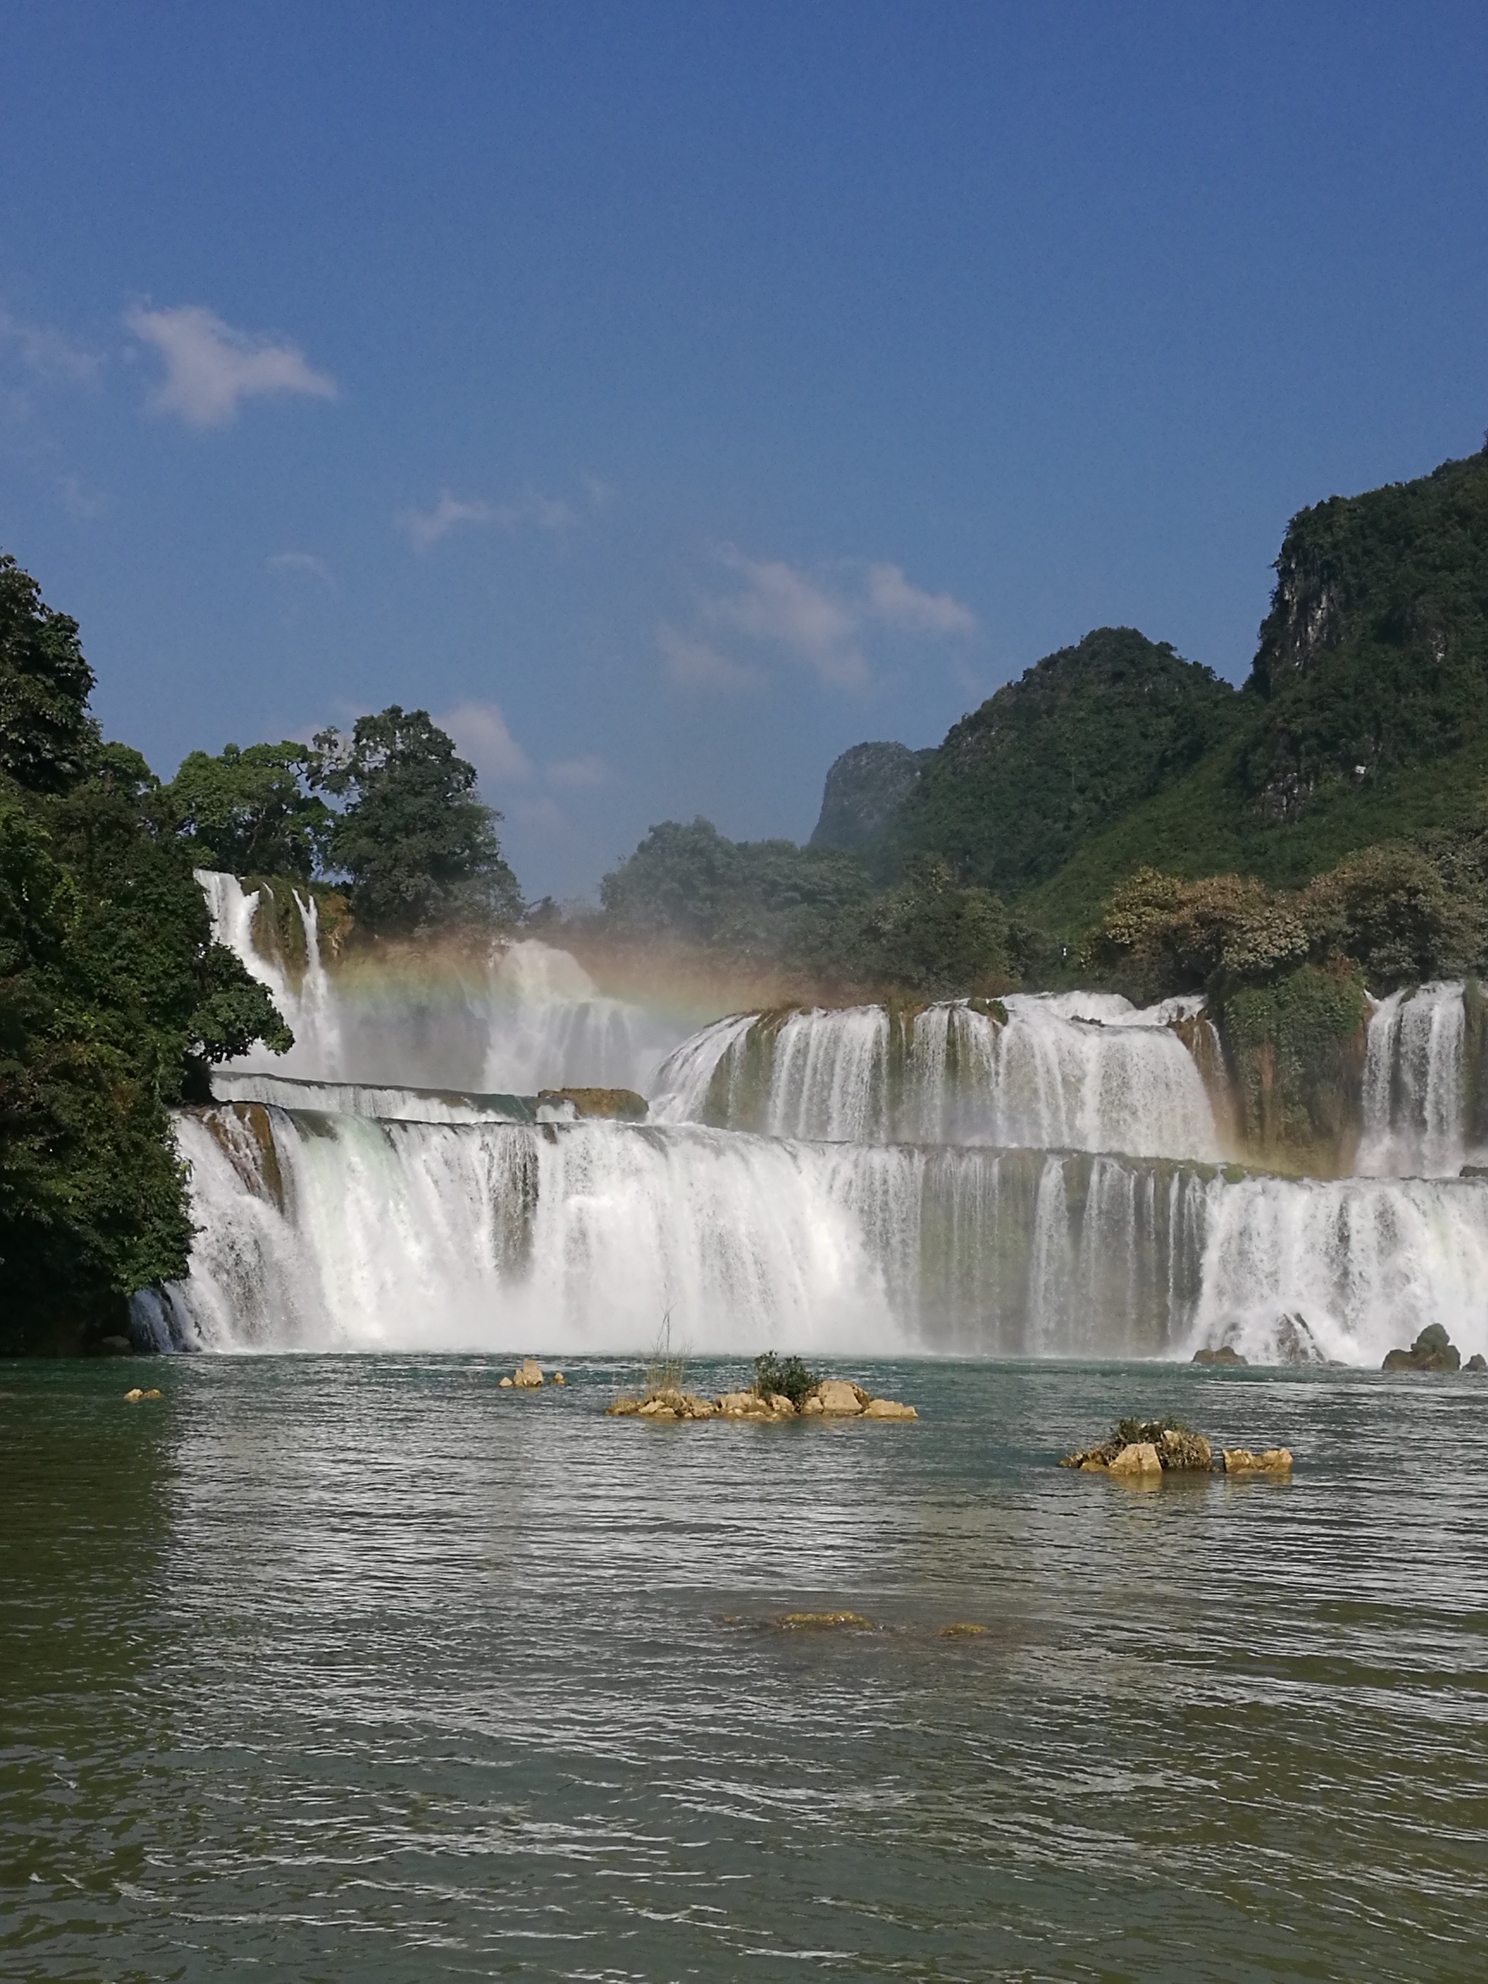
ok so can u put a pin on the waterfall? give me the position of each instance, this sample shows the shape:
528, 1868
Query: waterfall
1068, 1071
1416, 1105
1030, 1177
529, 1017
349, 1232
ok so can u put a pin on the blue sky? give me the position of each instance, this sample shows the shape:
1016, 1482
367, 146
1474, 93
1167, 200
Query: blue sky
667, 397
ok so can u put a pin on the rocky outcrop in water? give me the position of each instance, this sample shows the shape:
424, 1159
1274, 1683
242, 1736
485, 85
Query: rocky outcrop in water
620, 1105
1154, 1447
1431, 1351
832, 1398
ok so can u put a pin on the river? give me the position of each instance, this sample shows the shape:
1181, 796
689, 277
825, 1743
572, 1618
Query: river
357, 1668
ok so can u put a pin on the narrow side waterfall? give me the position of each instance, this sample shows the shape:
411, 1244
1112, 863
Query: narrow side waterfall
528, 1018
346, 1232
1081, 1072
1417, 1102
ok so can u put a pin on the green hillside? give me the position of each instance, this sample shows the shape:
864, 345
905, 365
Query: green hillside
1057, 756
1365, 717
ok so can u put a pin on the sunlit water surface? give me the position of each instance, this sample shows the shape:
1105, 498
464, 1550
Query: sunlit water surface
363, 1669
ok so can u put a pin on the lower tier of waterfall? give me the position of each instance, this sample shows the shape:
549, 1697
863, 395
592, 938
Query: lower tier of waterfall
333, 1232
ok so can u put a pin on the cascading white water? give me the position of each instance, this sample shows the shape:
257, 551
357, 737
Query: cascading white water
345, 1232
1072, 1071
532, 1018
867, 1180
1416, 1107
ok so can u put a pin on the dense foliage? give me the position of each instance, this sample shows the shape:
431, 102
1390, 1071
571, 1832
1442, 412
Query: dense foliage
812, 912
251, 812
419, 847
113, 999
1054, 757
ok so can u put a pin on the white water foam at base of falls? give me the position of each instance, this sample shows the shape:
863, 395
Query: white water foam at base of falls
360, 1234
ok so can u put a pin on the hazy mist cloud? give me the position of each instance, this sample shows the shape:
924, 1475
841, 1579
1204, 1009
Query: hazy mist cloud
481, 734
426, 527
892, 598
47, 354
304, 562
693, 664
210, 367
820, 620
578, 774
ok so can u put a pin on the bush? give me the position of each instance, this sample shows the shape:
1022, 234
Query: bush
788, 1376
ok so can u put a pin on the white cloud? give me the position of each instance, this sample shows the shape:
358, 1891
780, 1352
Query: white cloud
693, 664
304, 562
892, 598
209, 367
426, 527
481, 735
821, 620
778, 603
575, 774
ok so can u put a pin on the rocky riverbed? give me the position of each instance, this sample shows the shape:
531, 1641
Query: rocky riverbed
830, 1398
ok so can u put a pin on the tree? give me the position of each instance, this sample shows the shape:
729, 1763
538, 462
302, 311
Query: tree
420, 848
114, 1000
247, 811
45, 729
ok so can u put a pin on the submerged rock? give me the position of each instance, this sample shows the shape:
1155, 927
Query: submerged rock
1272, 1460
1431, 1351
817, 1622
888, 1408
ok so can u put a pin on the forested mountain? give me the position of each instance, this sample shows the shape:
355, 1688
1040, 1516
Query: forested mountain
1051, 759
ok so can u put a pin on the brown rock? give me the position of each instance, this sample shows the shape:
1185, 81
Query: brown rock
1139, 1458
1273, 1460
839, 1399
888, 1408
528, 1374
962, 1629
817, 1622
811, 1407
505, 1384
557, 1379
781, 1406
621, 1104
1225, 1354
622, 1408
1185, 1452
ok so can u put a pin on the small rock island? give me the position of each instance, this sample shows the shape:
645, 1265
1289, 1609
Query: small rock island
1154, 1447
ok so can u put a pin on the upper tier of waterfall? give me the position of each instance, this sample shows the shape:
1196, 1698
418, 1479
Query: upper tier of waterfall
531, 1017
1065, 1071
344, 1232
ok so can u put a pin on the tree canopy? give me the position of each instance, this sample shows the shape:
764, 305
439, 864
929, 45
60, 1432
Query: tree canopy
419, 847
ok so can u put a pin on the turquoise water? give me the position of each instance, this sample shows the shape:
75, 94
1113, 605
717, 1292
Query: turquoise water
363, 1669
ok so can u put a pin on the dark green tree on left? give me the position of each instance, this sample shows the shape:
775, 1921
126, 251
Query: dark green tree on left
114, 1000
